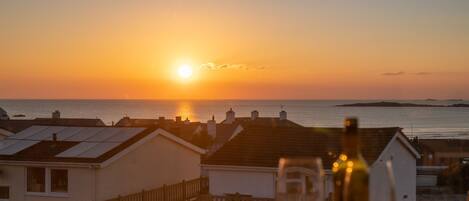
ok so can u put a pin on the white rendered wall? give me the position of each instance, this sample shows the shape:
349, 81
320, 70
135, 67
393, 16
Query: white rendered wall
257, 184
157, 162
81, 185
405, 173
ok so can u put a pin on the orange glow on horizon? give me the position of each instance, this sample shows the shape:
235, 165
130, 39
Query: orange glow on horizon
235, 51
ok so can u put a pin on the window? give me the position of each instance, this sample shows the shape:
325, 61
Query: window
4, 192
59, 180
36, 179
47, 181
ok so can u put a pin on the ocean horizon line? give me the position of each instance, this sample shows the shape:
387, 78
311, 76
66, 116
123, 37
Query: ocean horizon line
227, 99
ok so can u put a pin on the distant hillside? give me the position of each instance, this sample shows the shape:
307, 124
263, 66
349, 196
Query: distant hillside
396, 104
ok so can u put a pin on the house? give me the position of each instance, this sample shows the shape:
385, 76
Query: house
10, 126
232, 125
66, 163
256, 120
247, 164
437, 156
184, 129
442, 152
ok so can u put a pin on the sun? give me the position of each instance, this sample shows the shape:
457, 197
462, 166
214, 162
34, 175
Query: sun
185, 71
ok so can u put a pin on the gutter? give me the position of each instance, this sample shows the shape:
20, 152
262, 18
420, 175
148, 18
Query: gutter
247, 168
50, 164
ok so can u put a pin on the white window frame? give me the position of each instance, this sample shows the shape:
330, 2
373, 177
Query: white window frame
9, 192
47, 192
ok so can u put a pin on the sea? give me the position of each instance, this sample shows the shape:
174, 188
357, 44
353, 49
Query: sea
425, 122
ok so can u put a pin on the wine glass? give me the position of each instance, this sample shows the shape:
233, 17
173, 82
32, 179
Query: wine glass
300, 179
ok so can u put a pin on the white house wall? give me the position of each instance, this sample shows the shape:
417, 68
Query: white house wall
258, 184
81, 181
404, 168
155, 163
262, 183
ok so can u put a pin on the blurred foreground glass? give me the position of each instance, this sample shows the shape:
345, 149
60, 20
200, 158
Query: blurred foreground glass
300, 179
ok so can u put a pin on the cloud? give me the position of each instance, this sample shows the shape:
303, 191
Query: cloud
423, 73
394, 73
215, 66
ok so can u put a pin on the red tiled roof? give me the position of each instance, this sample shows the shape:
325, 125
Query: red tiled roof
263, 146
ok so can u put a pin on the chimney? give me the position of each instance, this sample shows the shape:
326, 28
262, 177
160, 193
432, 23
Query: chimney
178, 119
161, 121
212, 127
54, 137
3, 114
56, 114
187, 121
230, 116
254, 114
283, 115
125, 121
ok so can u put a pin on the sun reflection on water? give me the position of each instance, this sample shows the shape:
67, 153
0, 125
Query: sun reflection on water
185, 110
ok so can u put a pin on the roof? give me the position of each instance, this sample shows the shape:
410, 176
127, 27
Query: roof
70, 121
76, 144
224, 133
17, 125
2, 111
264, 146
265, 121
443, 145
185, 130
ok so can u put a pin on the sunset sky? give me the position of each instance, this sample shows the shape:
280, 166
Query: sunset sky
399, 49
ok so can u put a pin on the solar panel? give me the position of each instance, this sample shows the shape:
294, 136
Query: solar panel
6, 142
46, 133
98, 150
66, 133
125, 134
17, 147
103, 135
28, 132
85, 133
94, 141
101, 142
77, 149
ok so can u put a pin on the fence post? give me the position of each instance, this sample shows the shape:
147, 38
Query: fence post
164, 193
203, 185
184, 190
143, 195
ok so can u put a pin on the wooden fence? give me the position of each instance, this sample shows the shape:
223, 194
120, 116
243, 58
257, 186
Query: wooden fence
238, 197
183, 191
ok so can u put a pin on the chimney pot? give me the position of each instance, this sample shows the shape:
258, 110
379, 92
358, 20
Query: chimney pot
54, 137
56, 114
254, 115
230, 116
283, 115
212, 127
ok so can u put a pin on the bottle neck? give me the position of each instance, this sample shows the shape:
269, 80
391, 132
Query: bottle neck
351, 145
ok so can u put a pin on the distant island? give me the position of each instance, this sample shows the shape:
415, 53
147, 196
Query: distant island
396, 104
431, 99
